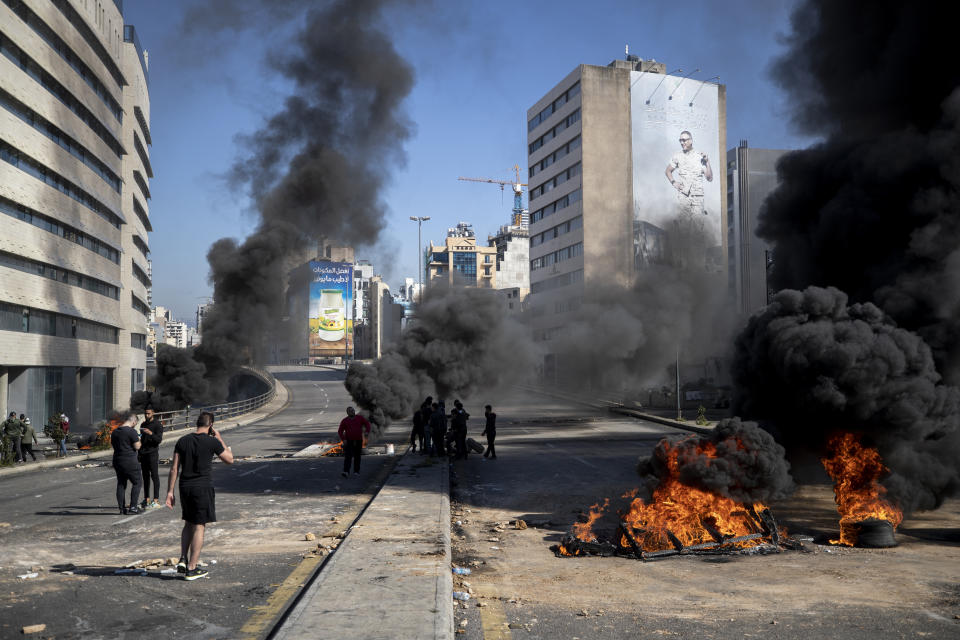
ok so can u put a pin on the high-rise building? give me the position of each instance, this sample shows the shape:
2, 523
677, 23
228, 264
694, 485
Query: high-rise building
74, 170
177, 334
751, 176
618, 156
202, 310
461, 259
512, 243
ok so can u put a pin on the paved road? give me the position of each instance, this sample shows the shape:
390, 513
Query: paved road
265, 505
554, 461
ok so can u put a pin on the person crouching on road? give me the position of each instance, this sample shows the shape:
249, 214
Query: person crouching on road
126, 442
193, 464
151, 435
352, 430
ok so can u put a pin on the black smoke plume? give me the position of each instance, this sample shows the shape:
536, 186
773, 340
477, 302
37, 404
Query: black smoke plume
459, 343
874, 209
183, 382
318, 166
624, 336
811, 365
737, 459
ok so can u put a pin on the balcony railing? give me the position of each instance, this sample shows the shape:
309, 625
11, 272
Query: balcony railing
187, 418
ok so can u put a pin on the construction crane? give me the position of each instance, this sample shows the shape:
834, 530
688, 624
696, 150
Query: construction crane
517, 191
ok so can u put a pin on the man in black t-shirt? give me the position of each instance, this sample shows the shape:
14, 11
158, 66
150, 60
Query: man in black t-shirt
126, 442
151, 435
192, 462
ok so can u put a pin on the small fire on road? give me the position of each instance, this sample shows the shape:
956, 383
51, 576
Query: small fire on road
678, 519
867, 518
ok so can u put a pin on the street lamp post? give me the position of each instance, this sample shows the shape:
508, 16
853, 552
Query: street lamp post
420, 220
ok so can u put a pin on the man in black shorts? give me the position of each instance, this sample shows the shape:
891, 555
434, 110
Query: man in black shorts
192, 462
126, 442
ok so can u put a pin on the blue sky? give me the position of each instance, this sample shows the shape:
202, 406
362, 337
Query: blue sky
478, 67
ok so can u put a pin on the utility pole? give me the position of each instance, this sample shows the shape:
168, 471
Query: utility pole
420, 267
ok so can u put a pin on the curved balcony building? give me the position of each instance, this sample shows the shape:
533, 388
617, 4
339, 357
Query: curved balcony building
74, 198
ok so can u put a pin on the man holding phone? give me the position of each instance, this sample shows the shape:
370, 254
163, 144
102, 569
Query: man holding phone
192, 463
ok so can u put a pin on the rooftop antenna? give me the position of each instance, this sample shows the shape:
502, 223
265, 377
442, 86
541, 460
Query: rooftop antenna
661, 82
717, 78
681, 82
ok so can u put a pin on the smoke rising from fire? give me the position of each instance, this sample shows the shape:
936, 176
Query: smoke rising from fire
873, 209
737, 460
459, 343
811, 365
317, 166
624, 336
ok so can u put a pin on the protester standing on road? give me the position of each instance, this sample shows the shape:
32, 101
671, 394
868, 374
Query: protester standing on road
426, 410
12, 433
193, 464
126, 442
490, 431
458, 425
438, 428
28, 439
416, 435
352, 430
151, 435
65, 425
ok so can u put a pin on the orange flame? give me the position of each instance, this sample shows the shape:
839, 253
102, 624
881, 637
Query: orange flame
688, 513
584, 530
335, 449
856, 471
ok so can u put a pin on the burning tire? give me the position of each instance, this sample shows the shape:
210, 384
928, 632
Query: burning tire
871, 533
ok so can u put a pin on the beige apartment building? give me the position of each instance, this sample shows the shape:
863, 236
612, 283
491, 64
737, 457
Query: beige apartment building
598, 145
74, 191
460, 259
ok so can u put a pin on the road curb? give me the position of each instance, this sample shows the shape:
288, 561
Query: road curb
279, 402
398, 549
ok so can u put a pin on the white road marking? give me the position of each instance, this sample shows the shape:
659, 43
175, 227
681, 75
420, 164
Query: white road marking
98, 481
246, 473
589, 464
129, 519
309, 419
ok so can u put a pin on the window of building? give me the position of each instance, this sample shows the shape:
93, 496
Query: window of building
137, 380
69, 144
556, 205
65, 276
47, 81
20, 212
138, 341
562, 152
548, 110
465, 263
27, 164
569, 121
69, 56
555, 181
556, 282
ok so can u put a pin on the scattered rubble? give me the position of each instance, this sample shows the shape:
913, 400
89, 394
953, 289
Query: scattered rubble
33, 628
309, 537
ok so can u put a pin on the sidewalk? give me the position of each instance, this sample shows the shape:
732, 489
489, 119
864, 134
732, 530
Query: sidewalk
391, 576
75, 457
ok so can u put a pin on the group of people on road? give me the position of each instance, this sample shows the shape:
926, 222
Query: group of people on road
430, 430
136, 459
19, 436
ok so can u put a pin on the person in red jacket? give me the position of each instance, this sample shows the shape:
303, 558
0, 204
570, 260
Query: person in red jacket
352, 430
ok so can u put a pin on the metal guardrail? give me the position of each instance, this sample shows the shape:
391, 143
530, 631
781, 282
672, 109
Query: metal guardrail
187, 418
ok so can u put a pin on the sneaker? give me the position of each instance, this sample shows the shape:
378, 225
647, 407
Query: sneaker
182, 565
356, 473
134, 511
344, 474
193, 574
144, 504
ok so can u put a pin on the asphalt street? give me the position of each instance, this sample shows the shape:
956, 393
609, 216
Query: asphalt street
65, 524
